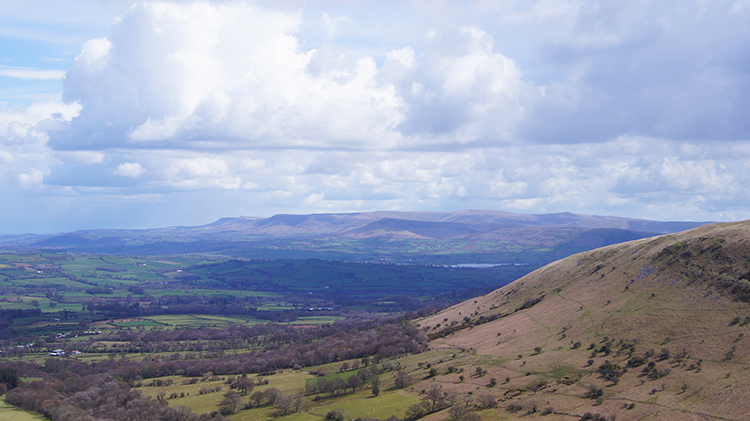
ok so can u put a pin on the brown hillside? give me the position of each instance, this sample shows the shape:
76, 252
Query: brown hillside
675, 305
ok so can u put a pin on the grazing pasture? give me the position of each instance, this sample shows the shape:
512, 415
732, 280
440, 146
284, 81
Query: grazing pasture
11, 413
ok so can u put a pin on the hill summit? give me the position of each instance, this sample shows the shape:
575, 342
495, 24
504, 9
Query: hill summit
655, 328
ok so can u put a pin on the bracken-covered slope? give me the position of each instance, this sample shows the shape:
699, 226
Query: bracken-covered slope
656, 328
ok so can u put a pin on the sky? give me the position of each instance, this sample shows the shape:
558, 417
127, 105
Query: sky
141, 114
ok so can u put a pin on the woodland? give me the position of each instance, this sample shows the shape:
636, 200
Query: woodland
69, 389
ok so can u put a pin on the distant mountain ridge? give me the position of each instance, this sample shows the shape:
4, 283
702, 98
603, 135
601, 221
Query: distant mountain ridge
467, 236
430, 224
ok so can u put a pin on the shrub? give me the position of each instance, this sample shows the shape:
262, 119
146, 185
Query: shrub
664, 355
730, 354
414, 412
610, 371
530, 302
486, 401
636, 361
593, 392
335, 415
537, 385
657, 374
514, 407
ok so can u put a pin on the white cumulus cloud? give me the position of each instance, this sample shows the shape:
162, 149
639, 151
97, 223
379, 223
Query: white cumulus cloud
130, 169
229, 73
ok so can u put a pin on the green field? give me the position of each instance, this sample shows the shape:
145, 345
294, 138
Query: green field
52, 293
289, 382
135, 323
203, 320
11, 413
363, 404
82, 277
316, 320
206, 393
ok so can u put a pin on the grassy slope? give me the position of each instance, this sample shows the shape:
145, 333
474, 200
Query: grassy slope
666, 292
10, 413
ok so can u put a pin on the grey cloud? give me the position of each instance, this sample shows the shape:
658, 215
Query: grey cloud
95, 175
459, 82
669, 73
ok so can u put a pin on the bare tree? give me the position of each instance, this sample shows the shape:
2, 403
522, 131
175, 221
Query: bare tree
355, 382
434, 399
284, 404
486, 401
271, 394
243, 384
414, 412
181, 413
402, 380
230, 404
256, 398
297, 401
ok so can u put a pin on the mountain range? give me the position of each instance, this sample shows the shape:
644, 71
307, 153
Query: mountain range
432, 225
461, 236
